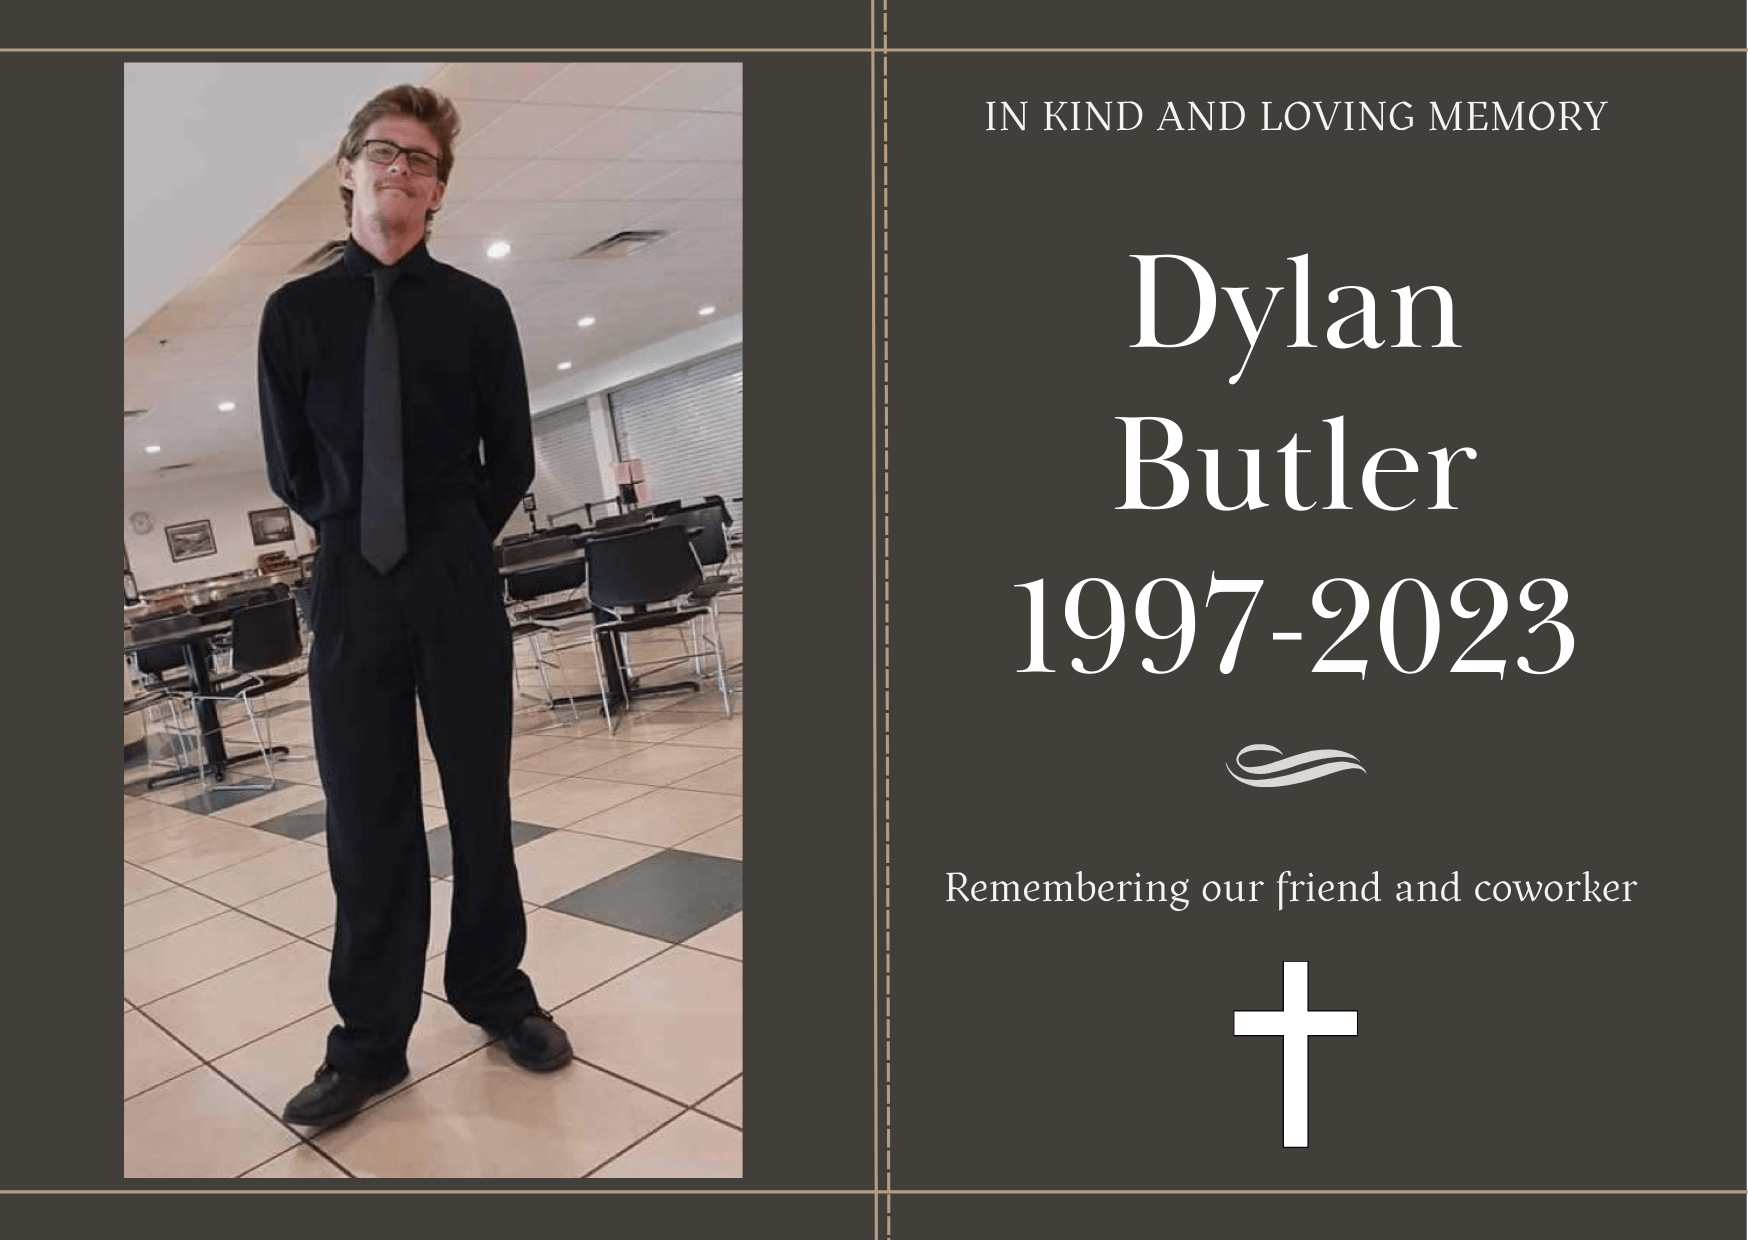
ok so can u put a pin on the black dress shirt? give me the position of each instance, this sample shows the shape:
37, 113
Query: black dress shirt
463, 390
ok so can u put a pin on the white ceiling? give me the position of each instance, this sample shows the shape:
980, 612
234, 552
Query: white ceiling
552, 158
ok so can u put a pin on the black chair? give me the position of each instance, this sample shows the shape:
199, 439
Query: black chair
625, 521
667, 508
537, 621
163, 667
645, 578
263, 637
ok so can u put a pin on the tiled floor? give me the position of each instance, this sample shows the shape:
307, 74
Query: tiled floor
629, 851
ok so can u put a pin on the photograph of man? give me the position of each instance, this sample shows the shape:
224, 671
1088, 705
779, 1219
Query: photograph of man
395, 419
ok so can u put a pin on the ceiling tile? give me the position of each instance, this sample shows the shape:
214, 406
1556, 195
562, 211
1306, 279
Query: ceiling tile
620, 180
294, 221
279, 258
689, 87
512, 82
602, 84
684, 179
529, 130
701, 136
701, 213
726, 184
543, 180
617, 134
473, 175
728, 103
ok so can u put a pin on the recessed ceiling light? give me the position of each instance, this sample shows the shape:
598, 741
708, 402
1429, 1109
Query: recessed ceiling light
706, 309
497, 249
587, 320
564, 365
225, 406
152, 447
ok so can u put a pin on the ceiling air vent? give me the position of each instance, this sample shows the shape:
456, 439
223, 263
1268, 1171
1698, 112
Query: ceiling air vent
327, 254
170, 469
130, 416
623, 244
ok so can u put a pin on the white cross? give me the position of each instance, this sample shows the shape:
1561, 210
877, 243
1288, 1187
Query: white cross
1294, 1025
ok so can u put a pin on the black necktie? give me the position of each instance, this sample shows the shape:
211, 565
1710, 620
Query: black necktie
382, 524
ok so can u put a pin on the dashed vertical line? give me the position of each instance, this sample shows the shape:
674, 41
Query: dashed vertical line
886, 632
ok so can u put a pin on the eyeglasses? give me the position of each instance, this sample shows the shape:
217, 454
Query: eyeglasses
382, 151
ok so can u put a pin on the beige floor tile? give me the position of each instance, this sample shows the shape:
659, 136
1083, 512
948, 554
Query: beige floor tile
442, 901
132, 807
168, 964
566, 956
662, 764
635, 728
323, 937
281, 801
693, 1147
723, 841
247, 1002
673, 1023
486, 1118
262, 876
527, 744
292, 732
527, 781
197, 1126
723, 938
572, 757
725, 1102
302, 908
663, 818
572, 799
725, 732
155, 818
164, 913
215, 854
149, 1056
589, 723
299, 1163
275, 1067
556, 865
137, 884
724, 777
186, 831
171, 794
297, 768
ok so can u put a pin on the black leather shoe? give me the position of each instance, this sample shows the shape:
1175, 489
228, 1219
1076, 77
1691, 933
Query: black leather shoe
335, 1095
537, 1043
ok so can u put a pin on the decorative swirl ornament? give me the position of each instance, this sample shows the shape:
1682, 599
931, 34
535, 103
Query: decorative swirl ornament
1280, 774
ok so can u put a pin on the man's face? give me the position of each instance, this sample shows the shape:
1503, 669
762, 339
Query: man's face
394, 193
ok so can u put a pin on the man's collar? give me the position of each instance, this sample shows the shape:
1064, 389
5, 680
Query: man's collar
359, 261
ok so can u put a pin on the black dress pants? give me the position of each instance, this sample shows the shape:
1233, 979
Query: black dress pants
433, 631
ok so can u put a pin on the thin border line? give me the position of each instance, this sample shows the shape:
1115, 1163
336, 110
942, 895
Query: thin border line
881, 1057
882, 50
901, 1192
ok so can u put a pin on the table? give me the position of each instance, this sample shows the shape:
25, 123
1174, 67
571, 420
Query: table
196, 654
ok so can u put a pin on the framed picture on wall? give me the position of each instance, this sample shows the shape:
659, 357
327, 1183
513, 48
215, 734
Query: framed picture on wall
270, 525
190, 540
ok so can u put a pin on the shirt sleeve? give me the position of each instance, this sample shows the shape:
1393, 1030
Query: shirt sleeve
506, 431
285, 430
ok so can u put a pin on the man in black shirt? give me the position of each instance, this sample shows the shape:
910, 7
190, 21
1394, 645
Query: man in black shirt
395, 420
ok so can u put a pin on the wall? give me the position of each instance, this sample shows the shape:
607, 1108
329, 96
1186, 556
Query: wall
649, 360
226, 501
